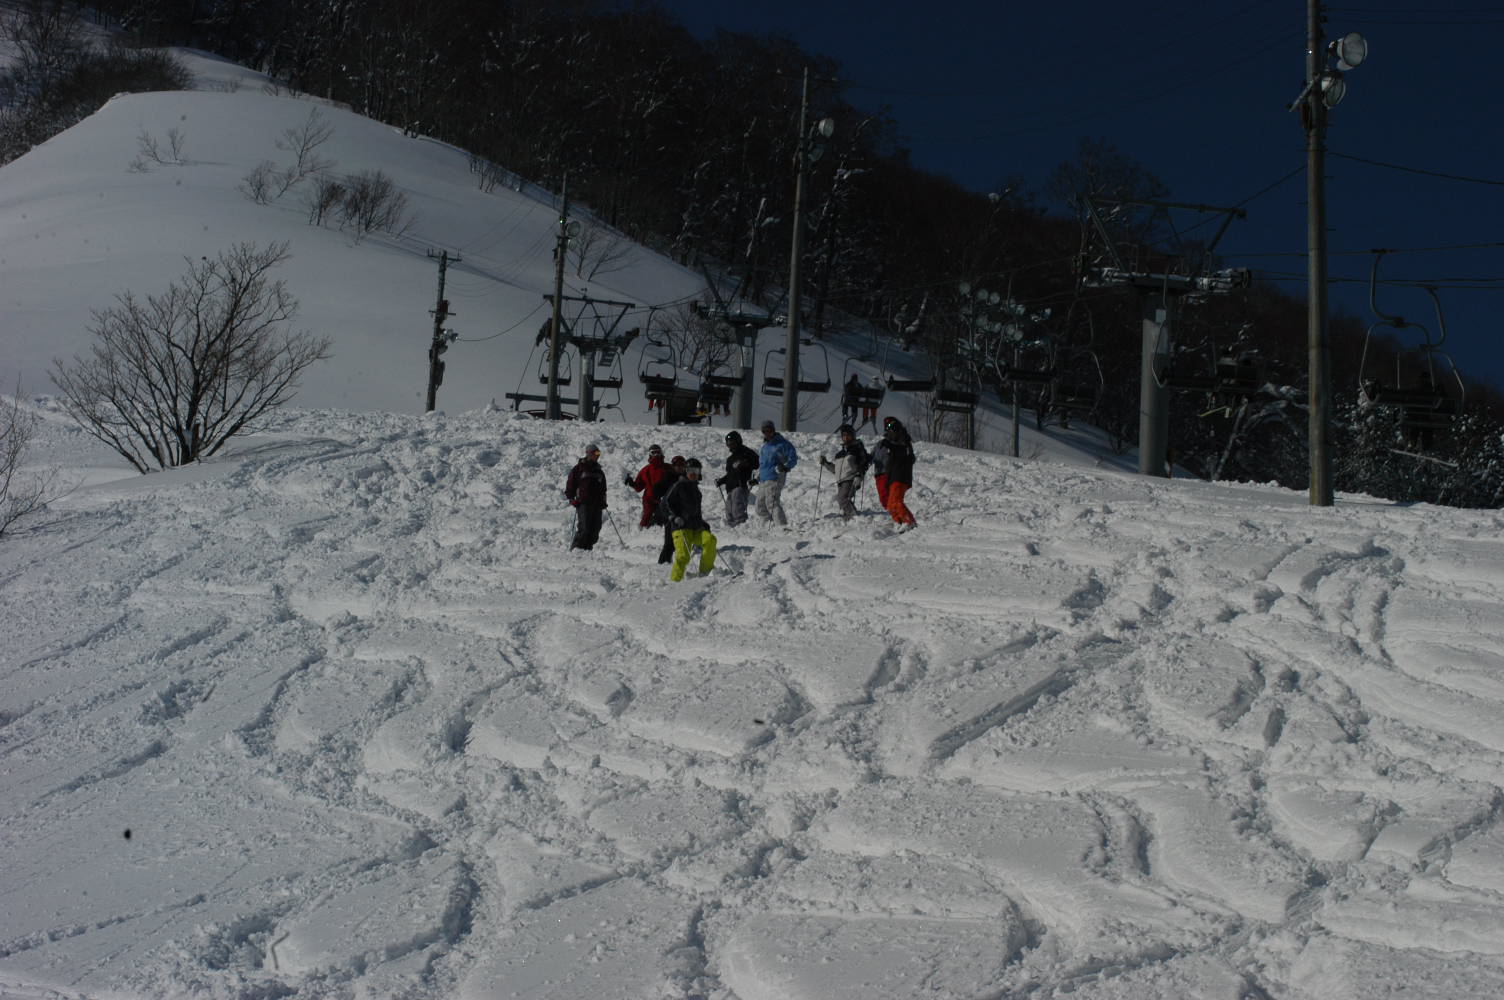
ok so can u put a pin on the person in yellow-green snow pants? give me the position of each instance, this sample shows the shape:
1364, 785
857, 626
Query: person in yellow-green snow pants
690, 538
681, 511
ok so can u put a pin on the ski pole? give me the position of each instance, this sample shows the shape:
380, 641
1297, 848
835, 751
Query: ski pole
818, 480
614, 528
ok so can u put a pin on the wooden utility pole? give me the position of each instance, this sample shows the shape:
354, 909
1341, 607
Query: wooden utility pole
791, 361
555, 337
440, 342
1318, 391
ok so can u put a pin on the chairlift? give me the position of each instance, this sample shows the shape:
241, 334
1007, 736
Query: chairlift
713, 397
956, 395
659, 372
772, 381
607, 373
722, 376
1190, 374
519, 397
857, 395
1030, 365
565, 367
891, 382
1420, 388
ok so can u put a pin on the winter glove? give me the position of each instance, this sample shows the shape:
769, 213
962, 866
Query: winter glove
827, 464
781, 468
721, 481
626, 480
573, 502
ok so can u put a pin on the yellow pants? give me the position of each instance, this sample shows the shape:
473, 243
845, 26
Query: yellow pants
689, 538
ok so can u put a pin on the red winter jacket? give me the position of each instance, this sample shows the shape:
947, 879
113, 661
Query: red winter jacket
652, 480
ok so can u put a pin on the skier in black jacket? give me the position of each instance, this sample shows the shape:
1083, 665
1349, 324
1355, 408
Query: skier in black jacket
666, 554
586, 491
681, 509
893, 471
741, 472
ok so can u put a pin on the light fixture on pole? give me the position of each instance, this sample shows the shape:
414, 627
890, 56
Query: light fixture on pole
1325, 87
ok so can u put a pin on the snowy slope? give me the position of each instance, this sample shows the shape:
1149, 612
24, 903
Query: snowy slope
338, 715
373, 731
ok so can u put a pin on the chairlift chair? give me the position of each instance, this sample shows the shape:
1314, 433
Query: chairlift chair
659, 372
566, 367
861, 395
1240, 374
772, 384
1426, 398
956, 395
607, 373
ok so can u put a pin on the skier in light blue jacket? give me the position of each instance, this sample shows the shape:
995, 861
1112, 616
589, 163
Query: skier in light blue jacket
776, 459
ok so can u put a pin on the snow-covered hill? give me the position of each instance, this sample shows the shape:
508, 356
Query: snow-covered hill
338, 714
341, 715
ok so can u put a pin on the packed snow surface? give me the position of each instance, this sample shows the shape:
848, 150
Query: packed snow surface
340, 715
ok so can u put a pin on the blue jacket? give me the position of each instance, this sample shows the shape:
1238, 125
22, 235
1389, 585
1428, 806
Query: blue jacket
775, 450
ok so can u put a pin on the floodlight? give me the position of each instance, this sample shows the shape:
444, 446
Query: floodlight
1351, 49
1333, 89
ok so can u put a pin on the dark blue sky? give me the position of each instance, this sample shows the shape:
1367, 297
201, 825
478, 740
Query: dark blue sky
1197, 92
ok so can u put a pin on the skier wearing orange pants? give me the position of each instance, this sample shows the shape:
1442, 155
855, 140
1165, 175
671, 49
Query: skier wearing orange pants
893, 471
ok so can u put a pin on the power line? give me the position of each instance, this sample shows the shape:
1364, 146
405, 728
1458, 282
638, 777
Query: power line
1354, 253
477, 340
1417, 170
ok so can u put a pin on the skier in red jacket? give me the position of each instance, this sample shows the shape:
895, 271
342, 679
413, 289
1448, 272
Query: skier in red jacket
652, 481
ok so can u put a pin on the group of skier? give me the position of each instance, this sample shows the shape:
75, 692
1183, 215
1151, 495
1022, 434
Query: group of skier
671, 489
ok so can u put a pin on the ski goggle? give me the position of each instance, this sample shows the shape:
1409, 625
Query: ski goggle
692, 472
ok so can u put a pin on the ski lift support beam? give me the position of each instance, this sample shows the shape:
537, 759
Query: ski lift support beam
1160, 296
747, 326
589, 344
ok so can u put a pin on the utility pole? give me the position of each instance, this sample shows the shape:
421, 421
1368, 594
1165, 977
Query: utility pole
555, 337
441, 340
791, 361
1318, 391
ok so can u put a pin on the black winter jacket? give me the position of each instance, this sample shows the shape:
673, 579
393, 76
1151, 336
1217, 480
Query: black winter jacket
741, 468
681, 506
893, 457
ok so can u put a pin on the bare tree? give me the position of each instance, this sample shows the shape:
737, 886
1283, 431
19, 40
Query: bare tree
303, 143
173, 378
149, 150
327, 195
22, 493
598, 249
47, 40
373, 203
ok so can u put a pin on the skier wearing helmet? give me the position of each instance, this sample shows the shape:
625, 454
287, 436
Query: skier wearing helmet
741, 471
681, 509
652, 480
849, 465
676, 473
893, 471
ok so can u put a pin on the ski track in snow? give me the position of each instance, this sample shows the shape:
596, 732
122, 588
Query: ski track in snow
1084, 733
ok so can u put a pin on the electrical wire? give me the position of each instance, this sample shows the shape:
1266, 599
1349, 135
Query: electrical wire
477, 340
1416, 170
